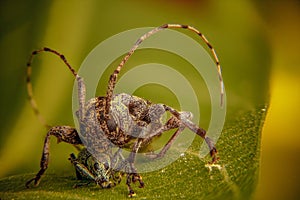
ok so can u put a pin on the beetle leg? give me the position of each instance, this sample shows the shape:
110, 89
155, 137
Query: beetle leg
184, 118
132, 175
172, 123
167, 146
62, 133
132, 178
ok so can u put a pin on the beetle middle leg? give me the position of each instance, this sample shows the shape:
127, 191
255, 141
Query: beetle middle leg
63, 134
133, 176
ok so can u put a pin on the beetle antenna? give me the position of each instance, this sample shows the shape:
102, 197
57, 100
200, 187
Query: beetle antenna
29, 84
113, 78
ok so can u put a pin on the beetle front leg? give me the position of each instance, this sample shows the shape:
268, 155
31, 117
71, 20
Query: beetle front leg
185, 119
63, 134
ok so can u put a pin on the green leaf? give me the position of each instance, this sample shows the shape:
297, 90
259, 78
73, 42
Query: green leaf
189, 177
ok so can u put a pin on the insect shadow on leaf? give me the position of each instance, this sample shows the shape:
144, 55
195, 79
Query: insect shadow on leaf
116, 120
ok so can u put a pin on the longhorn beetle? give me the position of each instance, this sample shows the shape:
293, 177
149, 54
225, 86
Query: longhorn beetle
104, 122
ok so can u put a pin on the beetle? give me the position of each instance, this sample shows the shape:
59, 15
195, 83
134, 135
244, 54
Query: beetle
120, 120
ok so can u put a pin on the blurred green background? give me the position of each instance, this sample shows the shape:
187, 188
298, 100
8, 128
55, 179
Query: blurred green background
257, 43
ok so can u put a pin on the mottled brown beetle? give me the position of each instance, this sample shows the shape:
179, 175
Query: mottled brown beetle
101, 121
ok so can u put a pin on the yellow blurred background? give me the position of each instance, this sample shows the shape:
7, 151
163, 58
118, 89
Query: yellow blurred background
247, 34
280, 176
